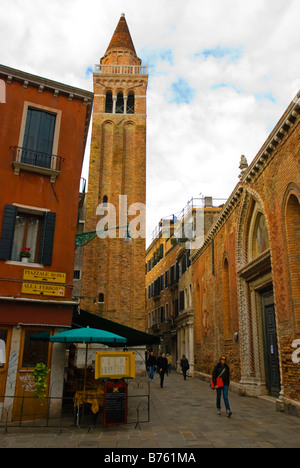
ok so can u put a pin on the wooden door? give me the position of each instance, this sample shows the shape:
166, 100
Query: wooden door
26, 406
271, 351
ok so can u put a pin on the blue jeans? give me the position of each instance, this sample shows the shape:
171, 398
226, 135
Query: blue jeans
151, 372
225, 397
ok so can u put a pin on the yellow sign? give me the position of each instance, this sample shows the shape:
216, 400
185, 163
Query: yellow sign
44, 276
114, 365
43, 289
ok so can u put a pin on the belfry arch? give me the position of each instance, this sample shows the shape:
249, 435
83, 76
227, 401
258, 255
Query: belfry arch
258, 324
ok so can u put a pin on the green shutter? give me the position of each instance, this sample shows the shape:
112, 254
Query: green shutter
48, 228
8, 230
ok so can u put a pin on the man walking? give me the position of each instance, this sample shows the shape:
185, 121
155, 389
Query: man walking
162, 368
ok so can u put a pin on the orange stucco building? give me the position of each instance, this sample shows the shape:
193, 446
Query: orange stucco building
43, 130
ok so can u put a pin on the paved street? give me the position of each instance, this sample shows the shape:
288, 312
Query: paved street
183, 416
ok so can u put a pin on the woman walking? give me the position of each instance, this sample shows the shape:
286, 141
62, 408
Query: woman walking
184, 364
222, 371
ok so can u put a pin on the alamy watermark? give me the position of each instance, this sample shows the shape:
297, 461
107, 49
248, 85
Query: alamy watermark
130, 221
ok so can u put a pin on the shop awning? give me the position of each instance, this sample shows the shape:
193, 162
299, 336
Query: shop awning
134, 337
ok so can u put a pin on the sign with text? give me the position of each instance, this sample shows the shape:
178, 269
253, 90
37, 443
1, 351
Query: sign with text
43, 289
114, 365
44, 276
115, 403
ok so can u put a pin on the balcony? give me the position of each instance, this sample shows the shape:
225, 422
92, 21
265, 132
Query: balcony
36, 161
121, 69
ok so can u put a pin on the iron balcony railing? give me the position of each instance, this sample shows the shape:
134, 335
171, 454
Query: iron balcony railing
36, 158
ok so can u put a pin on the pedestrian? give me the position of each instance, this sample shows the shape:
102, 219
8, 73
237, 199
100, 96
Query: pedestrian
222, 371
184, 364
162, 368
151, 365
169, 359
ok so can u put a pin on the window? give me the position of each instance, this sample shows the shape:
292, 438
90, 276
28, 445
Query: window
38, 138
27, 236
101, 298
130, 103
25, 228
3, 341
76, 275
120, 103
34, 351
108, 103
261, 237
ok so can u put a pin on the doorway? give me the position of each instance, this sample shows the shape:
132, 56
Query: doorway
271, 354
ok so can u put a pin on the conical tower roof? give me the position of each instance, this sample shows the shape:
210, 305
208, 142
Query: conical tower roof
121, 39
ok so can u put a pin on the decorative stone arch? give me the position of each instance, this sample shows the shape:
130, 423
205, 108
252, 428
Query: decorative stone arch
2, 92
227, 316
254, 276
291, 217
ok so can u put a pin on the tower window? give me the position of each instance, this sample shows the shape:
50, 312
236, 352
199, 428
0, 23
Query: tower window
130, 104
101, 298
109, 103
105, 200
120, 103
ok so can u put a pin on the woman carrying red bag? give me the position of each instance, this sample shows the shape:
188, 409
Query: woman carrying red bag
222, 371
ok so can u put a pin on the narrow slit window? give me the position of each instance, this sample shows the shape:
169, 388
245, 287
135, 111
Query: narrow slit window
130, 104
120, 103
108, 103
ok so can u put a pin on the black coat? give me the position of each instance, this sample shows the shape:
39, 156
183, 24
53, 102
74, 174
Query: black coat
184, 364
217, 371
151, 361
162, 363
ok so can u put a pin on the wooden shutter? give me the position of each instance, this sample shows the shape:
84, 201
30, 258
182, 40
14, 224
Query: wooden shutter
47, 238
8, 230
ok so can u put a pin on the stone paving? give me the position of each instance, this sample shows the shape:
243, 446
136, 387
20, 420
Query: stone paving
183, 416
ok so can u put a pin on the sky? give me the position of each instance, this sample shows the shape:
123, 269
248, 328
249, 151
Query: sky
221, 74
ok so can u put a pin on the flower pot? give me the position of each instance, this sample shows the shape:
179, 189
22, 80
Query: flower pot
25, 259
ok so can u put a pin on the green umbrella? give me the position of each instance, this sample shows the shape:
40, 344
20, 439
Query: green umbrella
88, 335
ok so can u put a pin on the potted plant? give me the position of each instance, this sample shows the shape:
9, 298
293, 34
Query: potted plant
25, 254
40, 374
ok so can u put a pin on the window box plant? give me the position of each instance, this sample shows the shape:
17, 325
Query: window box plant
25, 254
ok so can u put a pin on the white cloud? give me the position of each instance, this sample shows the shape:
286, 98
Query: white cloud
221, 75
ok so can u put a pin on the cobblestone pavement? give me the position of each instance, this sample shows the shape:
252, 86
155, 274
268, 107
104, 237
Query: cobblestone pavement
183, 416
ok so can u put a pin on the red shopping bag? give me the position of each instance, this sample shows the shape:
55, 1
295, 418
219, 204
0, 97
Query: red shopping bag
219, 383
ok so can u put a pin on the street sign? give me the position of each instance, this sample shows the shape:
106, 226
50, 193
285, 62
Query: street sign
43, 289
44, 276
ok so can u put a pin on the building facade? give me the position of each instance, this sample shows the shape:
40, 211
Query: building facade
43, 130
113, 263
169, 283
246, 275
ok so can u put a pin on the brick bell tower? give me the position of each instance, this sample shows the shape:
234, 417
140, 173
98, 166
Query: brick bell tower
113, 274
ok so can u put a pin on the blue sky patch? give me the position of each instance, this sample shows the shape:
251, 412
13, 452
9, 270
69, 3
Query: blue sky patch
262, 96
233, 54
180, 92
227, 85
88, 72
151, 57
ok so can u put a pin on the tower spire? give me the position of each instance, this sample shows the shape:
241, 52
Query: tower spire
121, 39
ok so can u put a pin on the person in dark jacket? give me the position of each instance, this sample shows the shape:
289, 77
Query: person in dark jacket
162, 368
184, 364
222, 371
151, 363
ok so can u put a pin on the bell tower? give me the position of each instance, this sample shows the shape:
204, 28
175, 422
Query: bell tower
113, 275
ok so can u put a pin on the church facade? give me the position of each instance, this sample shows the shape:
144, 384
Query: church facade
246, 275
